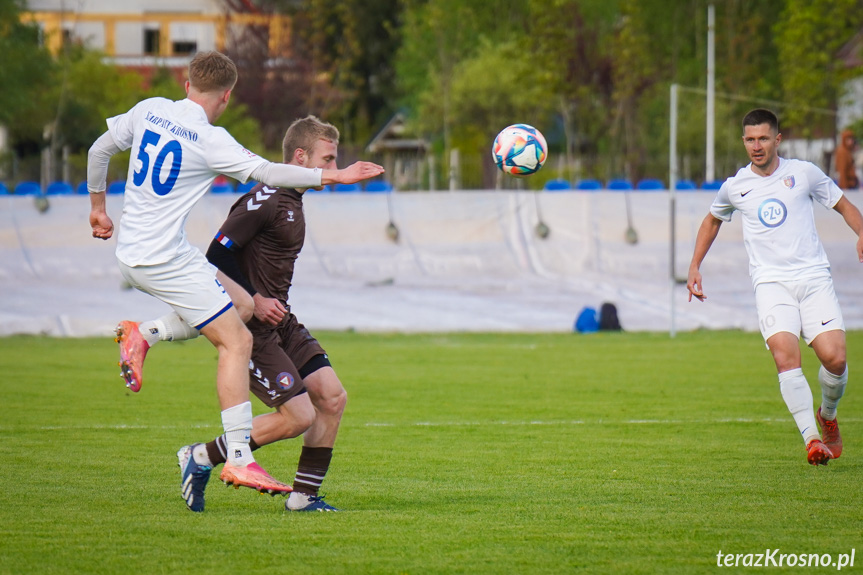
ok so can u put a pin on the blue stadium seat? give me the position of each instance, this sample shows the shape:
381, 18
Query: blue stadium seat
118, 187
588, 185
650, 185
243, 188
619, 184
348, 188
28, 189
82, 188
379, 186
324, 190
4, 191
685, 185
557, 185
224, 188
59, 189
712, 186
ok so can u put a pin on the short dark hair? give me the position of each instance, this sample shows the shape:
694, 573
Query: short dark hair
760, 116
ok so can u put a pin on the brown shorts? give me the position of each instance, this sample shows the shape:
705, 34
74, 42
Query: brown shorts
274, 377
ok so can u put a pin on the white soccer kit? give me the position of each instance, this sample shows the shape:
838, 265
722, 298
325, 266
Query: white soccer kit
778, 222
783, 245
176, 155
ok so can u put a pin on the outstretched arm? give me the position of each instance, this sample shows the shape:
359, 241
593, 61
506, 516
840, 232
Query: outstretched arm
706, 234
854, 220
290, 176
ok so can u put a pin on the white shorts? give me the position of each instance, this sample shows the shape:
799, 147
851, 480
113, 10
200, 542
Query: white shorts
188, 284
809, 307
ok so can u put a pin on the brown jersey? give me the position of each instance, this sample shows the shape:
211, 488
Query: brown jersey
266, 229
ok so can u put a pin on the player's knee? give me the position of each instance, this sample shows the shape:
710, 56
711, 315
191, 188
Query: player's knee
243, 341
334, 404
835, 364
785, 362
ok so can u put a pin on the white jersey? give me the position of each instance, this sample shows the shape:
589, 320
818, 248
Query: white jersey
176, 155
778, 221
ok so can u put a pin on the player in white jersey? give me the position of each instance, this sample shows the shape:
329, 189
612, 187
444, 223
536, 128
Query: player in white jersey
176, 155
790, 273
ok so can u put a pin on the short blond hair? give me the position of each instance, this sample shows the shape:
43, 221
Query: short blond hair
304, 133
212, 71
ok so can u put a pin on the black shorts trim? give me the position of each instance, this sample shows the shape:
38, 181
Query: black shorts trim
314, 364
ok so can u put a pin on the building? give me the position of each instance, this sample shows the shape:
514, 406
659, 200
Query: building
151, 33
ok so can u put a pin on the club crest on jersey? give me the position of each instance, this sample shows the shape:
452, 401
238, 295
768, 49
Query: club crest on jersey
285, 381
788, 181
290, 215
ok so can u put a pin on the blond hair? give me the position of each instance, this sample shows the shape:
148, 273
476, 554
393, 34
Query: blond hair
212, 72
304, 133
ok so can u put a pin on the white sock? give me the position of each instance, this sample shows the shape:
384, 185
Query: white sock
151, 332
798, 397
169, 327
237, 422
199, 452
297, 500
832, 390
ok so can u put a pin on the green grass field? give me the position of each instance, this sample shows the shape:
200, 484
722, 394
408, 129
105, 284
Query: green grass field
458, 453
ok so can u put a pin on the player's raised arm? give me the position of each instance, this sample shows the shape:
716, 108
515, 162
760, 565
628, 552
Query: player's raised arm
706, 234
290, 176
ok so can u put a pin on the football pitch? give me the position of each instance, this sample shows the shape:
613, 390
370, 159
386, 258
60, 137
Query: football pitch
458, 453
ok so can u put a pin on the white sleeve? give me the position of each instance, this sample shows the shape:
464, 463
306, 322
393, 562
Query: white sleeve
822, 187
98, 159
722, 207
287, 176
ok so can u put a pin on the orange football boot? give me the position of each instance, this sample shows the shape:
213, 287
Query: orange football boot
830, 433
817, 453
133, 350
254, 477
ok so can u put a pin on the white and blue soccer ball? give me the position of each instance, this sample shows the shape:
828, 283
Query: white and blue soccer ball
519, 150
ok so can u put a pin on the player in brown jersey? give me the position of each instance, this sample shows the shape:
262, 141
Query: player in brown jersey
256, 247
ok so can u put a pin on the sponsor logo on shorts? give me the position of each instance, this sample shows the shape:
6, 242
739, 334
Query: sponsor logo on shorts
285, 381
828, 321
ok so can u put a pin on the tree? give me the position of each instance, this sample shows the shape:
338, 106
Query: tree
26, 74
498, 86
808, 35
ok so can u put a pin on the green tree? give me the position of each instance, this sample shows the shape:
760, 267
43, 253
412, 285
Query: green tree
634, 75
808, 34
498, 86
26, 75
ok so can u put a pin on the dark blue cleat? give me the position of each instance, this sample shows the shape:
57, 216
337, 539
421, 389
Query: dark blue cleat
303, 502
194, 479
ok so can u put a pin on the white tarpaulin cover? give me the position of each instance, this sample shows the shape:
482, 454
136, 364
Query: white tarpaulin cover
464, 261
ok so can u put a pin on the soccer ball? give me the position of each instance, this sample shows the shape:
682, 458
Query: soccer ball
519, 150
